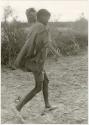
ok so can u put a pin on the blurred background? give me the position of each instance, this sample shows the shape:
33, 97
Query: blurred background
68, 26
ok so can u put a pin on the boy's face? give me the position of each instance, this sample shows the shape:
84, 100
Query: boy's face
32, 16
45, 19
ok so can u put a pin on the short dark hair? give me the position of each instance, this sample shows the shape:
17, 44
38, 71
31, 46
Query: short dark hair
42, 12
30, 10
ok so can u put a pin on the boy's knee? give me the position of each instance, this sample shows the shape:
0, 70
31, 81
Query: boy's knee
39, 87
46, 80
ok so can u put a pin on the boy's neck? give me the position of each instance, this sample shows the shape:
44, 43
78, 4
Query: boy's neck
41, 22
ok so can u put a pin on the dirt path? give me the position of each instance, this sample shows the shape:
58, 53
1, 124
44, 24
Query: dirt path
67, 88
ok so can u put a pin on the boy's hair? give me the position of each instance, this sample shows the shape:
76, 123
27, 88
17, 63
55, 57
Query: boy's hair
28, 11
43, 12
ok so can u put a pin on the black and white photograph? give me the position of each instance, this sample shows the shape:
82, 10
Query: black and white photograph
44, 61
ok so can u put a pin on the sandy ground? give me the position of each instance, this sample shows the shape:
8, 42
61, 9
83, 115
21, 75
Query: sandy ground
68, 90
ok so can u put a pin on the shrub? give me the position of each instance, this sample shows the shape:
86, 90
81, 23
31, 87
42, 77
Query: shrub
13, 38
81, 39
13, 35
66, 42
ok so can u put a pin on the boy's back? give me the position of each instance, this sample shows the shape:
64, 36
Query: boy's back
28, 46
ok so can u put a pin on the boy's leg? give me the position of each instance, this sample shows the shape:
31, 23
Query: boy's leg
45, 90
48, 107
30, 95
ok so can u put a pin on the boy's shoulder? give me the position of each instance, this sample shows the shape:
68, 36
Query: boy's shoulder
39, 27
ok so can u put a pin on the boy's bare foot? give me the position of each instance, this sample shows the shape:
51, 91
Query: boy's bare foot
17, 113
50, 108
47, 109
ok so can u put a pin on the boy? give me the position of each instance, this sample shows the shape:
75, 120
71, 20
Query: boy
35, 56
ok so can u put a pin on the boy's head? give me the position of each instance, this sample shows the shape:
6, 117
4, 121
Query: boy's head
43, 16
31, 15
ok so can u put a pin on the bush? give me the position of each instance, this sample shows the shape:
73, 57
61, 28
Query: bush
13, 35
13, 38
66, 42
82, 39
